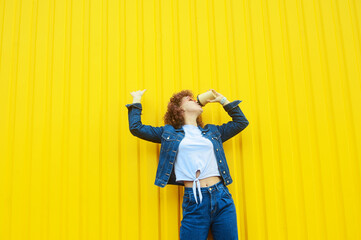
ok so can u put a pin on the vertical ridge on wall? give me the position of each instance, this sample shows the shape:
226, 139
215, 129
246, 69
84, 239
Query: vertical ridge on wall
336, 226
122, 117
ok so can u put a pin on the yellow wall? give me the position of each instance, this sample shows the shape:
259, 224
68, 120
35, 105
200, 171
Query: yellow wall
70, 169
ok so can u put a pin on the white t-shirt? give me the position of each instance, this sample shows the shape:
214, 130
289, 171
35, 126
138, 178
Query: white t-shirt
195, 153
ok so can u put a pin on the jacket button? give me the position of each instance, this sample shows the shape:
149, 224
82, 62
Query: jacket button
163, 183
224, 171
227, 181
220, 160
204, 133
217, 149
167, 137
212, 138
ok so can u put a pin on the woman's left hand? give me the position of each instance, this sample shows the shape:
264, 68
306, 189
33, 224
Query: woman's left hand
218, 96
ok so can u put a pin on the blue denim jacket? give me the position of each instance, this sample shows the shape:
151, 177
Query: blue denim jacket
170, 137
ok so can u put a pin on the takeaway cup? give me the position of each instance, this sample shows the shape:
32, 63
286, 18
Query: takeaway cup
203, 97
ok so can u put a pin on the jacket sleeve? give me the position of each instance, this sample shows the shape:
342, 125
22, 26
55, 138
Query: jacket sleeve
238, 123
145, 132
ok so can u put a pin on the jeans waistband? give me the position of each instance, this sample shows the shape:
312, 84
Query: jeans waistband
218, 185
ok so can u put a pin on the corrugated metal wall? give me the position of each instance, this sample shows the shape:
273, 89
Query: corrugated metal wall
70, 169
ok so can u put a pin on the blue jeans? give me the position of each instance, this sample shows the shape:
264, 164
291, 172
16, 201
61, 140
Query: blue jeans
217, 211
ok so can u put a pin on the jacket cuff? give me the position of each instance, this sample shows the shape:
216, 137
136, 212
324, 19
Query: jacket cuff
136, 105
231, 105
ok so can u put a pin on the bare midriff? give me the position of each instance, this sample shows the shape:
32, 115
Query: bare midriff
205, 182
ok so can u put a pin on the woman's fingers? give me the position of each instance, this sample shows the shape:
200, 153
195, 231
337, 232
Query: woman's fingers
138, 93
214, 92
218, 96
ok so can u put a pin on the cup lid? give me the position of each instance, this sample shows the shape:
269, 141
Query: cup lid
199, 101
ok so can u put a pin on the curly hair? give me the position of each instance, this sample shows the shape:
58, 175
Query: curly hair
174, 115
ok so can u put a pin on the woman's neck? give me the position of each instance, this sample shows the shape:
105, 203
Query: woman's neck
190, 122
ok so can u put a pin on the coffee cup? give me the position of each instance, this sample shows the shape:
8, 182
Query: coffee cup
204, 97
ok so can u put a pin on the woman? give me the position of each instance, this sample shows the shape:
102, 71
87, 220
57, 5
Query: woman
200, 165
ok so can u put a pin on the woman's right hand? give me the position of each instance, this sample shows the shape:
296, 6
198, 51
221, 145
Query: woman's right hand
137, 95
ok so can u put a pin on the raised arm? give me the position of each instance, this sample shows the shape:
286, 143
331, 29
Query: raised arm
145, 132
239, 121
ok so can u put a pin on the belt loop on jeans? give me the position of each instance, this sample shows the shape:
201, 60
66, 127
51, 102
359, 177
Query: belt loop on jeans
224, 185
218, 186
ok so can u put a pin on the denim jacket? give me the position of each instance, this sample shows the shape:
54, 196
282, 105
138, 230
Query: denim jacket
170, 137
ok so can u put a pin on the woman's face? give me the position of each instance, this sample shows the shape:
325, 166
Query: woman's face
188, 104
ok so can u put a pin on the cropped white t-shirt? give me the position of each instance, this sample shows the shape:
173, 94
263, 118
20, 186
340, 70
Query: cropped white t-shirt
195, 153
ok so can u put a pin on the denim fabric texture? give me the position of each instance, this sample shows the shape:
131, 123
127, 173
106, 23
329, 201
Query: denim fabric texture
216, 212
170, 137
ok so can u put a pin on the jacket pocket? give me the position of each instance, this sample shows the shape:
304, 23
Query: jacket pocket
168, 141
217, 136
